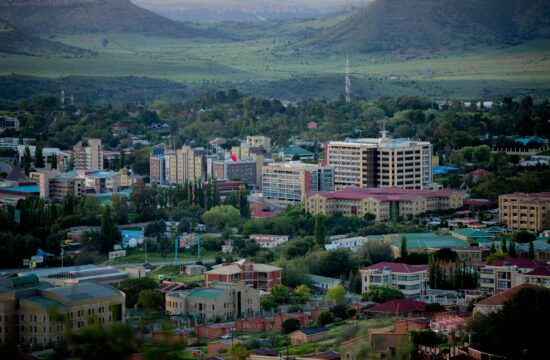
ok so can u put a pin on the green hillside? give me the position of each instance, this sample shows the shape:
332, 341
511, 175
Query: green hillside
14, 41
421, 27
75, 16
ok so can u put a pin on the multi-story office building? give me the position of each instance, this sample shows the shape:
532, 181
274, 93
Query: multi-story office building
245, 170
380, 162
185, 164
258, 276
157, 165
383, 203
288, 183
530, 212
411, 280
54, 186
505, 274
225, 301
88, 155
26, 304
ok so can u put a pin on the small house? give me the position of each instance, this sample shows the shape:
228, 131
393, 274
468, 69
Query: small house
307, 335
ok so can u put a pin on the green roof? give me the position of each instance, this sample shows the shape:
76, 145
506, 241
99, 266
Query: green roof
210, 293
45, 302
40, 285
24, 280
494, 229
437, 242
472, 233
296, 150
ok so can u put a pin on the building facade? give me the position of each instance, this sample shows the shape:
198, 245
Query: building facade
245, 170
530, 212
411, 280
25, 305
383, 203
380, 162
288, 183
56, 187
269, 241
258, 276
259, 141
221, 301
88, 155
505, 274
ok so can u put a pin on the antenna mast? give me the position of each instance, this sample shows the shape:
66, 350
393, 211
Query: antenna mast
348, 81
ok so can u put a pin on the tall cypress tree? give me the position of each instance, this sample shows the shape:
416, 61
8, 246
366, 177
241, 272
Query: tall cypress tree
109, 234
38, 157
319, 230
26, 161
531, 253
404, 249
243, 204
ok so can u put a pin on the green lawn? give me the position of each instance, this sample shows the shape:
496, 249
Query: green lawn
173, 273
136, 256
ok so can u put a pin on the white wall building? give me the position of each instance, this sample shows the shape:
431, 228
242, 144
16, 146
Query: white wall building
269, 241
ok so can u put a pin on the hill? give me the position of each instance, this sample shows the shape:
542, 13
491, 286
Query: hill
74, 16
423, 26
15, 41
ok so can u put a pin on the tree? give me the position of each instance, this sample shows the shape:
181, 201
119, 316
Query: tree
244, 208
117, 341
336, 294
26, 161
240, 352
38, 157
108, 234
377, 251
221, 216
120, 209
268, 303
150, 300
325, 318
531, 252
381, 294
404, 251
302, 293
290, 325
280, 293
133, 287
512, 249
434, 307
319, 230
523, 237
499, 255
446, 254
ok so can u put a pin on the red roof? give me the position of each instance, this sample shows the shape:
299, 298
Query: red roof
263, 214
480, 172
397, 267
521, 263
382, 194
399, 306
296, 315
258, 320
500, 299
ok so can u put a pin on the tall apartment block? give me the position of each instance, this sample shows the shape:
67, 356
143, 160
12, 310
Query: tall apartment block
288, 183
245, 170
177, 166
530, 212
157, 165
380, 162
88, 154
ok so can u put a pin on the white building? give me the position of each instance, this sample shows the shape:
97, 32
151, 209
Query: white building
269, 241
352, 243
411, 280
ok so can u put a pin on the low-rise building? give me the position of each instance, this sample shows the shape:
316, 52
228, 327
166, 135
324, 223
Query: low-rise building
530, 212
269, 241
306, 335
25, 305
221, 301
254, 324
280, 318
505, 274
56, 187
212, 331
322, 284
293, 152
351, 243
496, 302
399, 307
219, 347
383, 203
409, 279
258, 276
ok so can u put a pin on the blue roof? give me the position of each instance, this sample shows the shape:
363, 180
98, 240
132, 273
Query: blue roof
296, 150
443, 170
103, 175
25, 188
536, 139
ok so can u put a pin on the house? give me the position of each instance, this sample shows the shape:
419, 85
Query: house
322, 284
402, 307
269, 241
174, 336
264, 354
404, 326
316, 312
325, 355
307, 335
212, 331
193, 270
409, 279
280, 318
219, 347
496, 302
385, 345
258, 276
254, 324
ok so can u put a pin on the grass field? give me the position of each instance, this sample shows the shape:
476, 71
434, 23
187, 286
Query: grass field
137, 256
263, 60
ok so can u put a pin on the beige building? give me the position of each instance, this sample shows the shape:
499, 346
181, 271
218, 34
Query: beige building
383, 203
530, 212
258, 141
88, 155
288, 183
56, 187
223, 300
380, 162
411, 280
505, 274
26, 305
185, 164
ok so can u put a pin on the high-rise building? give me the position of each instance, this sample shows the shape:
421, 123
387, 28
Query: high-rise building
56, 187
530, 212
258, 141
288, 183
88, 155
157, 165
176, 167
380, 162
